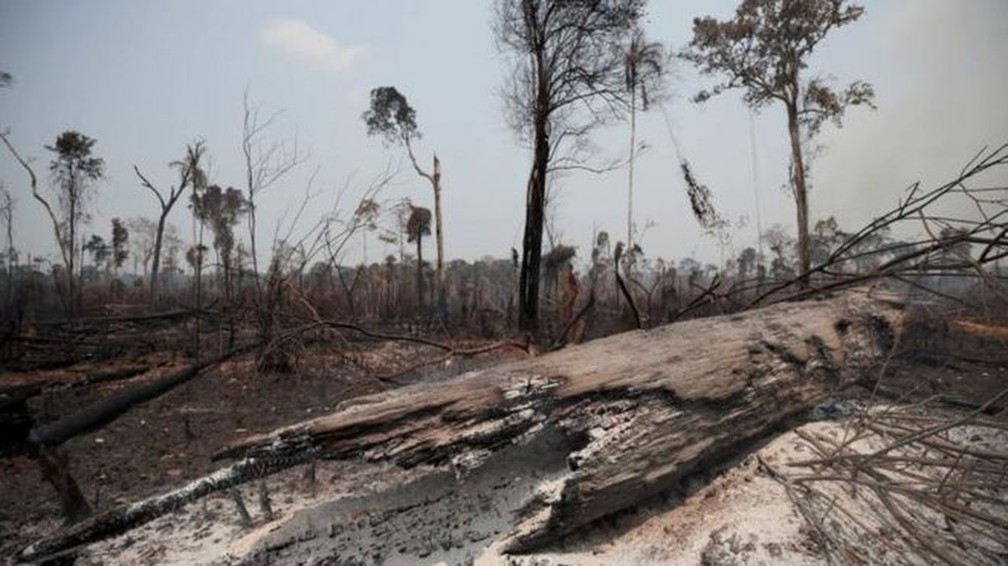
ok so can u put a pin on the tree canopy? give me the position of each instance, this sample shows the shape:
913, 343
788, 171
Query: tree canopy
764, 50
391, 117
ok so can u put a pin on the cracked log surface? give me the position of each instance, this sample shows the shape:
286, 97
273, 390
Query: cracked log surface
553, 443
640, 412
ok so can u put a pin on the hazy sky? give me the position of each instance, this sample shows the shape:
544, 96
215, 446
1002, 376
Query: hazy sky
146, 77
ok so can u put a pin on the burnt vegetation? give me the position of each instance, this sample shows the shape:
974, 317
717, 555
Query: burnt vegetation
213, 336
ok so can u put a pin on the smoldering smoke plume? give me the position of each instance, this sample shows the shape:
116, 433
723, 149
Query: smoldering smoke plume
943, 103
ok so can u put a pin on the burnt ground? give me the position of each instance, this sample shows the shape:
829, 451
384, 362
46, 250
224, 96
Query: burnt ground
168, 441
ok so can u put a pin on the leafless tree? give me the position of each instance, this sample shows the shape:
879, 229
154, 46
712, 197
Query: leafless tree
143, 233
266, 162
189, 173
567, 78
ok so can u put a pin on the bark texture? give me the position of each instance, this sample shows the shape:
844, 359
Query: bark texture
641, 412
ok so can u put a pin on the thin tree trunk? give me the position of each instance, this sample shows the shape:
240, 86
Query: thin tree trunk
800, 193
528, 284
252, 241
439, 234
435, 180
419, 271
633, 140
64, 252
11, 267
71, 290
156, 266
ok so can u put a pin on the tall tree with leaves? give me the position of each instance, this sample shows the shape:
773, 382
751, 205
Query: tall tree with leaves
764, 50
99, 249
643, 67
221, 209
392, 117
567, 78
75, 171
418, 226
120, 244
190, 173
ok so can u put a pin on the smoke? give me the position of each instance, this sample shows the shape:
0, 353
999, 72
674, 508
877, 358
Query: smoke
942, 95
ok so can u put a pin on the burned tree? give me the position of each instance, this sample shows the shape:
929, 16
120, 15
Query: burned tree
567, 78
190, 173
265, 164
764, 50
74, 170
550, 444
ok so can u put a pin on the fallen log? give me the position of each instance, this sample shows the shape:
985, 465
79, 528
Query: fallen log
120, 519
554, 443
106, 410
15, 417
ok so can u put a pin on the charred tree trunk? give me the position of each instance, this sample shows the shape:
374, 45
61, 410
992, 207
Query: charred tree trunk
559, 441
535, 204
121, 519
104, 411
639, 412
156, 264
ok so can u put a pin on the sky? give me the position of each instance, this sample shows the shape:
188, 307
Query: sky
146, 77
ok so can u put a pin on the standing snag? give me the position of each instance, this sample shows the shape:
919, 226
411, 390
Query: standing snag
567, 78
190, 173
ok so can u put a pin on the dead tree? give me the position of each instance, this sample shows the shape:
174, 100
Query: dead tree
566, 79
559, 441
265, 164
190, 173
61, 240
